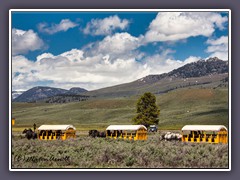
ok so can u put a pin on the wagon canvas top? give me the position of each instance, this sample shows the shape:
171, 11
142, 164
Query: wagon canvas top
126, 127
203, 128
56, 127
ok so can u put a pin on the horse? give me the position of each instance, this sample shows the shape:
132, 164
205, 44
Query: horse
95, 133
102, 134
29, 134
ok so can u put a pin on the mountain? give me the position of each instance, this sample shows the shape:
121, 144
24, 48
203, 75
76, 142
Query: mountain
39, 92
51, 95
212, 72
15, 94
196, 69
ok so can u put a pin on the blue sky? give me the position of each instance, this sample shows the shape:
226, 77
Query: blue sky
93, 50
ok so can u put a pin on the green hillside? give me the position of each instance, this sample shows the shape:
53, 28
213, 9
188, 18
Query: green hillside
177, 108
159, 86
193, 106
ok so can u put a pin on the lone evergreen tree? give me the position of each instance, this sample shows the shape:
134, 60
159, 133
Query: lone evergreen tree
147, 110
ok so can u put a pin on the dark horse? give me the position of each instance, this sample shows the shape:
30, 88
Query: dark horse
29, 134
95, 133
102, 134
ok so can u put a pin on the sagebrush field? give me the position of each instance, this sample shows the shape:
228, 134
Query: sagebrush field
87, 152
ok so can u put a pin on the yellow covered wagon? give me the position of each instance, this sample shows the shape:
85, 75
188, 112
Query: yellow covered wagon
205, 133
53, 132
131, 132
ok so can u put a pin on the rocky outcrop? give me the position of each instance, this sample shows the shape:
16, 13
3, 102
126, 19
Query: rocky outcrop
196, 69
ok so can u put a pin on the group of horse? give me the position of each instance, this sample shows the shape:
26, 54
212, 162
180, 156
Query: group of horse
29, 134
95, 133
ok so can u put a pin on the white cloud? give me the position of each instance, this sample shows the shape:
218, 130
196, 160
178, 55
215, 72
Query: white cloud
45, 55
21, 64
64, 25
218, 47
173, 26
105, 26
163, 62
221, 40
90, 72
73, 55
191, 59
25, 41
118, 43
22, 70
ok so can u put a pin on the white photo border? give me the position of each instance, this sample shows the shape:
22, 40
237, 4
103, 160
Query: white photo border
119, 10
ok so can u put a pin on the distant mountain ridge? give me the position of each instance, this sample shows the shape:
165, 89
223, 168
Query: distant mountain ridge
41, 92
199, 68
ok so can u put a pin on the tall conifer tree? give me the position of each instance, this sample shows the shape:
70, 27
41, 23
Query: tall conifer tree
147, 110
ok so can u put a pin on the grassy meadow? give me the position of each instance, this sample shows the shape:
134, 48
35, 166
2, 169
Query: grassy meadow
177, 108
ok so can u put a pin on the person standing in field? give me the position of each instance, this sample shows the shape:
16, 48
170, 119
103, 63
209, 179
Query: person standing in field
34, 127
